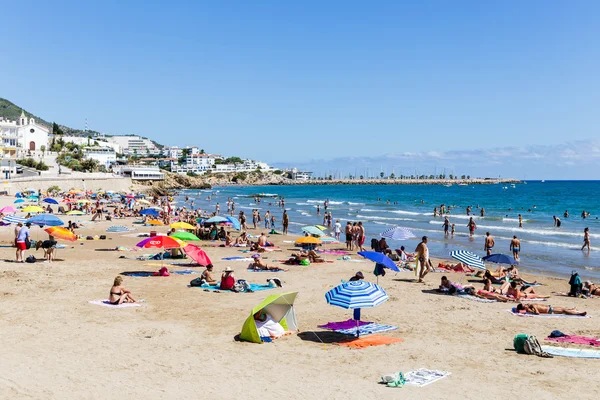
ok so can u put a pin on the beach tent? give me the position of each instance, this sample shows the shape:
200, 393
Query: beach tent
280, 307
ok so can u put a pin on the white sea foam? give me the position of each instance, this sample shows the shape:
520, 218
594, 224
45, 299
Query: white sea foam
336, 202
376, 217
315, 201
407, 212
355, 204
302, 204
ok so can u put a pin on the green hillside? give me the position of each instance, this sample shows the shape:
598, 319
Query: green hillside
10, 111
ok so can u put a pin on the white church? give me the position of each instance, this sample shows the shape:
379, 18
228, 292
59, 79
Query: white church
22, 136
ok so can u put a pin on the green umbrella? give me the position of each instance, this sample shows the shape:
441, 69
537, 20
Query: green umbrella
185, 236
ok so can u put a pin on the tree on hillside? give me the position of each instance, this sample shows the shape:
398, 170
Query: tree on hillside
182, 158
56, 129
381, 174
392, 176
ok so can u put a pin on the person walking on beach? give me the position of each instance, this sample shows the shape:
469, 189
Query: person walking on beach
515, 247
285, 221
423, 261
337, 229
361, 236
446, 226
22, 239
586, 239
267, 220
472, 226
489, 243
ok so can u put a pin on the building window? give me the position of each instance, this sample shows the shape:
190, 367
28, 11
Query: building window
32, 130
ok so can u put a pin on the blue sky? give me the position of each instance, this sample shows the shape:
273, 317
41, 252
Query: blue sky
296, 81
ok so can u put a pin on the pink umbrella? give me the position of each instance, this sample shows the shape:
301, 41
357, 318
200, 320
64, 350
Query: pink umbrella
8, 210
159, 242
197, 254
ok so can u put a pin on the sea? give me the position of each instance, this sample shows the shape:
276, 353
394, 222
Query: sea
545, 249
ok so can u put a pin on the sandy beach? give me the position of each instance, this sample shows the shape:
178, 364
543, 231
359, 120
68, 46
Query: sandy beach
181, 342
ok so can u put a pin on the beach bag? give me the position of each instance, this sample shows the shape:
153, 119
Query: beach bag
394, 257
532, 346
102, 237
274, 282
196, 282
245, 285
30, 259
28, 243
576, 286
519, 342
237, 287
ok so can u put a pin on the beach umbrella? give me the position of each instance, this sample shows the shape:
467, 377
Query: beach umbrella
185, 236
497, 259
83, 201
469, 258
235, 223
17, 201
50, 201
181, 225
216, 220
159, 242
379, 258
143, 201
61, 233
46, 220
117, 229
7, 210
13, 219
154, 222
149, 211
281, 309
312, 230
197, 254
397, 233
308, 240
328, 239
33, 209
321, 227
75, 212
356, 294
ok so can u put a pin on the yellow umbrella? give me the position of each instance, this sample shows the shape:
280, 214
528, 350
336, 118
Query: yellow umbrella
308, 240
33, 209
154, 222
181, 242
181, 225
75, 212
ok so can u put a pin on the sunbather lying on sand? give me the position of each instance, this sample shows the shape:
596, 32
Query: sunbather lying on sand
513, 290
258, 264
484, 294
544, 309
459, 267
311, 255
451, 288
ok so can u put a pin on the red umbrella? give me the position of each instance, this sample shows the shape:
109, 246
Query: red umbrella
159, 242
197, 254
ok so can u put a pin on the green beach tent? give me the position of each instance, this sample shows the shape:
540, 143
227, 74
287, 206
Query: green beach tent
280, 307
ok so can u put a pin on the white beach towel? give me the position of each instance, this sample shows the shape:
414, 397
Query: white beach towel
423, 376
106, 303
547, 315
475, 298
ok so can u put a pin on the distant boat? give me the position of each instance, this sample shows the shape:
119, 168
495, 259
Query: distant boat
448, 185
504, 187
543, 181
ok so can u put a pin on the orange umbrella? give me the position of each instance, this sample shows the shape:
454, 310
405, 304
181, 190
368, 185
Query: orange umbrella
308, 240
61, 233
154, 222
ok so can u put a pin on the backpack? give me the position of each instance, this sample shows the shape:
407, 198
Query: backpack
30, 259
196, 282
532, 346
576, 286
245, 285
274, 282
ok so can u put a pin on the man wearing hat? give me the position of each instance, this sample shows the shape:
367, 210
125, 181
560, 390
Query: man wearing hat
22, 239
227, 279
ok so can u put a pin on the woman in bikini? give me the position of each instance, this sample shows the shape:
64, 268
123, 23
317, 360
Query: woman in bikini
119, 294
594, 290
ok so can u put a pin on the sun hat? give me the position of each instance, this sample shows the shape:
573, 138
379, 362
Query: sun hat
228, 269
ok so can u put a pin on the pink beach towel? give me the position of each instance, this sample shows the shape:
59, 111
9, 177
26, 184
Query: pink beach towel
576, 340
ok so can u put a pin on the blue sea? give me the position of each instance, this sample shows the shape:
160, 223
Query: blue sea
545, 249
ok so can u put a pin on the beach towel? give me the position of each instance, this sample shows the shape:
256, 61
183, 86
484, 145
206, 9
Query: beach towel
185, 272
475, 298
348, 324
336, 252
253, 286
514, 312
368, 329
106, 303
576, 339
237, 259
423, 377
570, 352
265, 270
368, 341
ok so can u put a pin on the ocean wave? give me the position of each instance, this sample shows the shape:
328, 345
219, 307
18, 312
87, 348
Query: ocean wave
354, 204
302, 204
373, 217
407, 212
369, 210
382, 223
315, 201
336, 202
546, 232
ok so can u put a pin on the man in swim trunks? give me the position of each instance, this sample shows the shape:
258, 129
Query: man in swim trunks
348, 232
515, 247
446, 226
422, 252
489, 243
543, 309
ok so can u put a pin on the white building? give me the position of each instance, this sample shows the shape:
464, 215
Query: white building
301, 175
140, 173
104, 155
172, 152
134, 145
24, 134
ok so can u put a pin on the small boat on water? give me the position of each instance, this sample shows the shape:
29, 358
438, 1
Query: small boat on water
448, 185
462, 184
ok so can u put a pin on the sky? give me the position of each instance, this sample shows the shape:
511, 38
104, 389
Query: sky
310, 82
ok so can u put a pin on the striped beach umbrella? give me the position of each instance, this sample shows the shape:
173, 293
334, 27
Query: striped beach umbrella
356, 294
397, 233
117, 229
466, 257
13, 219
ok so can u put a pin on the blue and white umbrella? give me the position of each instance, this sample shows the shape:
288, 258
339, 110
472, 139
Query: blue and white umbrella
50, 201
234, 222
149, 211
46, 220
398, 233
13, 219
216, 220
312, 230
466, 257
356, 294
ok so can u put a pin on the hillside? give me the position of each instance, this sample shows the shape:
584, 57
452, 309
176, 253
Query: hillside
11, 111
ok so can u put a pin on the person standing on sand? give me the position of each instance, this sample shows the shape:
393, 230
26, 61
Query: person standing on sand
586, 239
515, 247
446, 226
348, 233
423, 261
361, 236
472, 226
22, 239
285, 221
489, 243
337, 229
